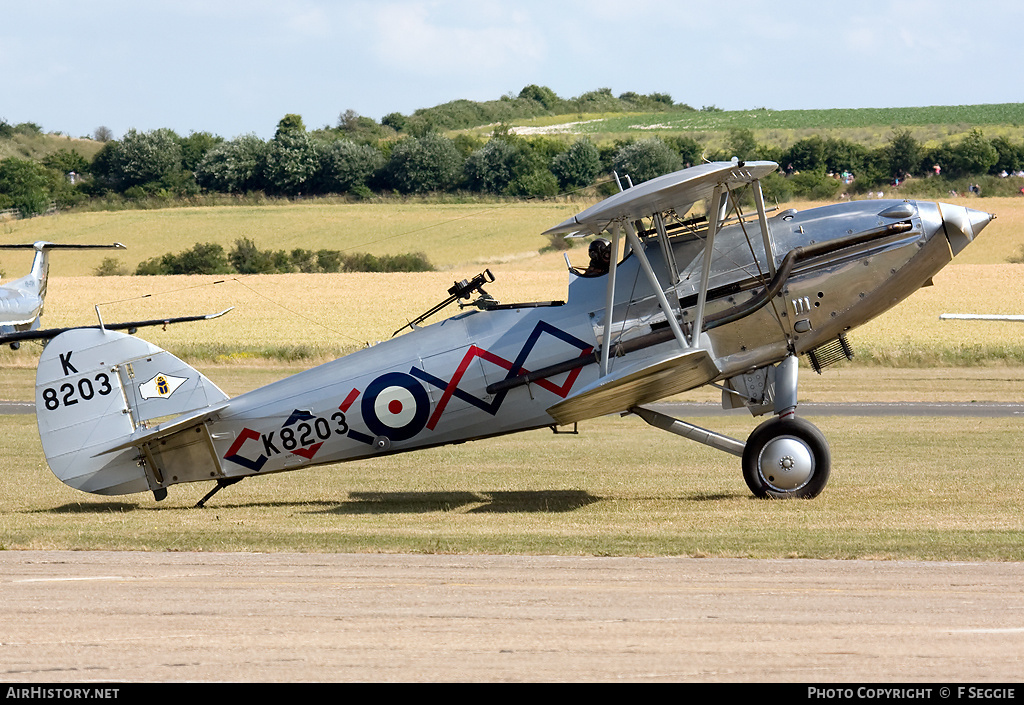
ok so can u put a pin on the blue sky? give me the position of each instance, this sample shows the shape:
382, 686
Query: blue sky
236, 67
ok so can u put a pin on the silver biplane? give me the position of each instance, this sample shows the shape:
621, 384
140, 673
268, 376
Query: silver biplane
21, 300
729, 297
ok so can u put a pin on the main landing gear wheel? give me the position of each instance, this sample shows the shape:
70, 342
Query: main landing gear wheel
786, 459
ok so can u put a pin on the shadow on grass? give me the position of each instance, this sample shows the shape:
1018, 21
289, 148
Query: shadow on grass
92, 508
497, 502
125, 507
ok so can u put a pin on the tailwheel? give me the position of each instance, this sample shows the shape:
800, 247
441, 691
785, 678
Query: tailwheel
786, 458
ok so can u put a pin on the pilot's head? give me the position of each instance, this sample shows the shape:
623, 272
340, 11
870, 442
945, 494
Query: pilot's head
600, 251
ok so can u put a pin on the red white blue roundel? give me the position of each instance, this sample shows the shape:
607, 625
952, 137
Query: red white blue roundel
395, 405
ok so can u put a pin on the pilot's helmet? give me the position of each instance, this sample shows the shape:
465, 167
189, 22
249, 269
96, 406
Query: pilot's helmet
600, 249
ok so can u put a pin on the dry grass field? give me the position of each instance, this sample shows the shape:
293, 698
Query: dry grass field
322, 315
899, 487
907, 489
450, 234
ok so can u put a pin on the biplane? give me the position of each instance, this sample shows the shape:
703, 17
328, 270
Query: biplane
701, 285
21, 300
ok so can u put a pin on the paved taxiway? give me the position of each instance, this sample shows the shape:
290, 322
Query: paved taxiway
129, 616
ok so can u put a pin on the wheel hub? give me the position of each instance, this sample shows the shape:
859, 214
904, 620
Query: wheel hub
786, 463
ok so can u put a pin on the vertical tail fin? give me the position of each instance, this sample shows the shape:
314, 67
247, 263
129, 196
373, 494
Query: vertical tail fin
24, 296
96, 392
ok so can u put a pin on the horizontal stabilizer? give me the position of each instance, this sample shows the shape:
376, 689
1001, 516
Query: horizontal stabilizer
56, 246
48, 333
166, 429
640, 383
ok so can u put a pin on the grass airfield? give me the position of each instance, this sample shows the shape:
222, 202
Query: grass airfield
902, 488
945, 489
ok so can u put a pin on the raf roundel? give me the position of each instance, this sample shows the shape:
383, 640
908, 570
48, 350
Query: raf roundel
396, 406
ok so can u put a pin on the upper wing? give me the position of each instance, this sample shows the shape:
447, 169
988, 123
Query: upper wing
677, 191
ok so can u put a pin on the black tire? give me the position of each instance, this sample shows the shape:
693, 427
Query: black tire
786, 459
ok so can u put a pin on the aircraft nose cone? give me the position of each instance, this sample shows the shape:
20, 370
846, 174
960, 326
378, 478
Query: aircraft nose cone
963, 225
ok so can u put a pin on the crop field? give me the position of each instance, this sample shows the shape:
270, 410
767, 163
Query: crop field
869, 126
450, 234
317, 316
977, 115
906, 488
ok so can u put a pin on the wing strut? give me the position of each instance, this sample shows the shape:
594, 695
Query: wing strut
762, 219
719, 201
659, 292
666, 250
610, 299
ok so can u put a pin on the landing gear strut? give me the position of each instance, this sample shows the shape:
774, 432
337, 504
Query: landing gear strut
784, 458
221, 484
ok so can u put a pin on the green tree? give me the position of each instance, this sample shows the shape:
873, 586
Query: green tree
194, 148
689, 149
972, 156
578, 166
975, 155
423, 164
305, 260
328, 260
290, 124
512, 165
842, 155
110, 267
1011, 156
345, 165
246, 258
292, 160
147, 159
815, 185
65, 161
360, 129
741, 144
805, 155
396, 121
492, 168
234, 167
541, 94
645, 159
26, 184
203, 258
904, 153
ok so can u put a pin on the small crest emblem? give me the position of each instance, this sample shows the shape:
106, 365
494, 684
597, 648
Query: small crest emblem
161, 386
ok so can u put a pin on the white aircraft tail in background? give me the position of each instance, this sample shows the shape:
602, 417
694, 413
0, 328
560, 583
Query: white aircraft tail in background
21, 300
